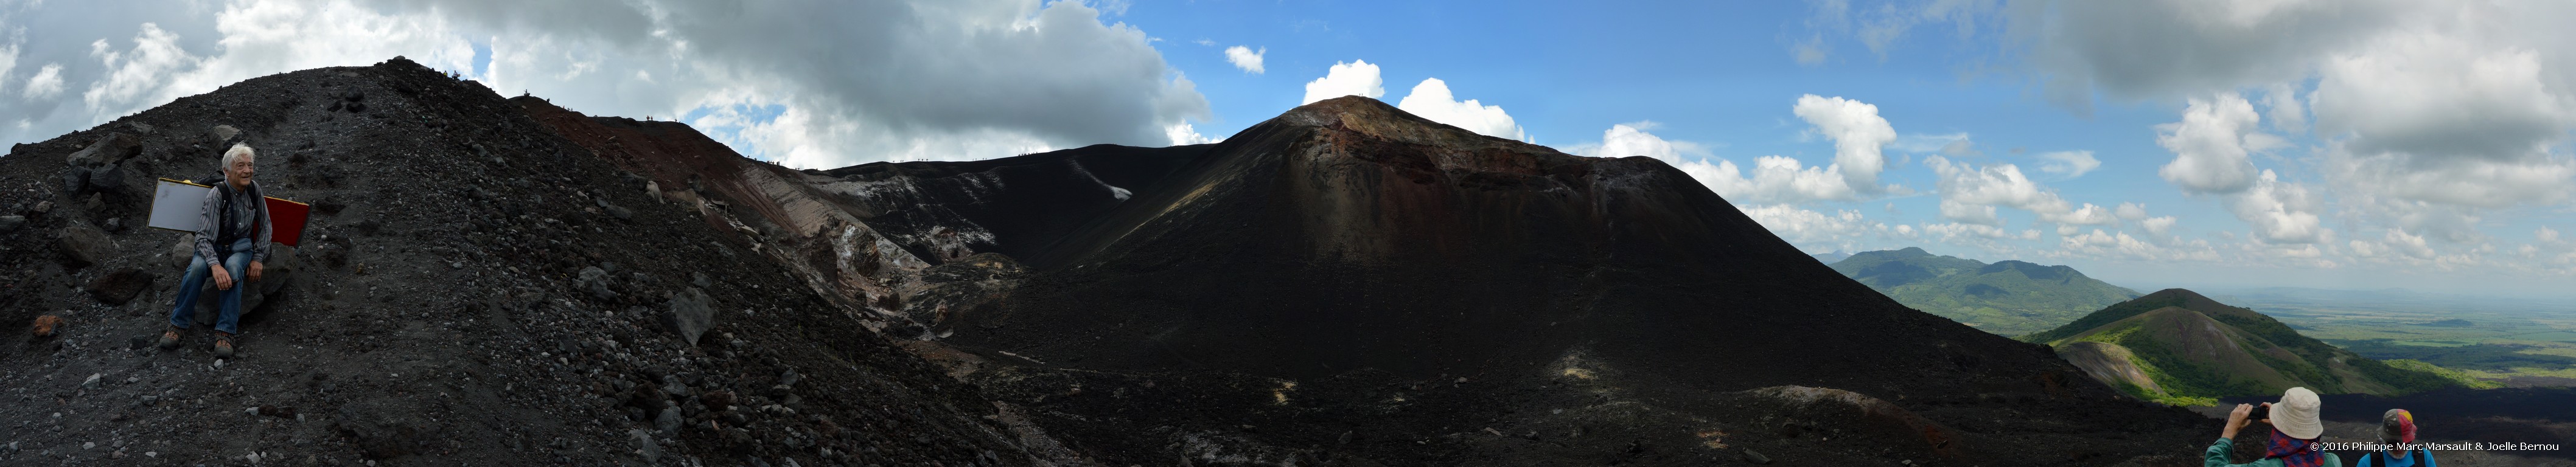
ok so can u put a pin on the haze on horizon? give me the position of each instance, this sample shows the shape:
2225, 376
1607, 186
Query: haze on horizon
2200, 143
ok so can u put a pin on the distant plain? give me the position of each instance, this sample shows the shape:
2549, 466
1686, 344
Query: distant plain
2513, 341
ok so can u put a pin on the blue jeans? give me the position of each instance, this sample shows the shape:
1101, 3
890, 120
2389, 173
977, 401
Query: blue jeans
185, 315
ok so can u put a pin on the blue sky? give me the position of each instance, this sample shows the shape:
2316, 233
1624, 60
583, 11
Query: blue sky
2155, 143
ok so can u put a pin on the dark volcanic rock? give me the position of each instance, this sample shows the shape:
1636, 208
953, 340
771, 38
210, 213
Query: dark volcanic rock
82, 245
109, 149
689, 315
118, 287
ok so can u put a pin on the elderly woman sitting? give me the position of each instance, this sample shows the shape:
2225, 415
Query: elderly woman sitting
235, 234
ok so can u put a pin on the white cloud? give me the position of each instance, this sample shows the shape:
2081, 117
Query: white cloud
1775, 179
2131, 211
2425, 117
1631, 139
1969, 194
2161, 227
47, 83
1840, 230
2280, 212
8, 63
1245, 58
2281, 105
139, 77
1432, 100
1183, 134
2069, 164
1954, 230
2545, 235
860, 81
2213, 145
1858, 133
1357, 78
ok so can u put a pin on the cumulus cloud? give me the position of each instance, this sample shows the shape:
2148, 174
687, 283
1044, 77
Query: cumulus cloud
1432, 100
2069, 164
1774, 179
1631, 139
2436, 118
2213, 145
1970, 194
1245, 57
47, 83
2280, 212
1858, 133
2150, 49
1357, 78
1840, 230
852, 81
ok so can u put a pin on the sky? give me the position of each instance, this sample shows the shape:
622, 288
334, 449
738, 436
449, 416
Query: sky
2343, 144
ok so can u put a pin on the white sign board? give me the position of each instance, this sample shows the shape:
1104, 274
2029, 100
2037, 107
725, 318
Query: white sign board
178, 205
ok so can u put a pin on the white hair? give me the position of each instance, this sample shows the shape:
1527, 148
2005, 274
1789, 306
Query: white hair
236, 153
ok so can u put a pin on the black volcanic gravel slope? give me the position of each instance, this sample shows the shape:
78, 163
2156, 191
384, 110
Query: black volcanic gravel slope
1026, 203
1351, 284
474, 291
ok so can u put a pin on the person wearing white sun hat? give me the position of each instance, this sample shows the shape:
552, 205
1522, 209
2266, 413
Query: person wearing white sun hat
2295, 431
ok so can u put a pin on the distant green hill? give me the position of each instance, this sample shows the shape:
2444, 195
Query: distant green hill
2178, 347
2008, 297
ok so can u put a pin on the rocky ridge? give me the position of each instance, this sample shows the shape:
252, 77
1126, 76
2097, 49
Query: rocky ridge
478, 290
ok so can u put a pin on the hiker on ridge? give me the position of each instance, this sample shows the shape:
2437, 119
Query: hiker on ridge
2295, 432
235, 234
2396, 428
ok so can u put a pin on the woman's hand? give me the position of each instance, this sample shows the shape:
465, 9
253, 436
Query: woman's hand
2236, 420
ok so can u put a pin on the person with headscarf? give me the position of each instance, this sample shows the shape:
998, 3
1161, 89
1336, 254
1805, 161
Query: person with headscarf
2293, 441
2396, 430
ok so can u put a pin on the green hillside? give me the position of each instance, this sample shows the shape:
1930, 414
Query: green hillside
2008, 297
2192, 350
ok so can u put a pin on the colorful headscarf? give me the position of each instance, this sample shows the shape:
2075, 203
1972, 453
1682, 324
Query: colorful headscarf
2294, 452
2397, 426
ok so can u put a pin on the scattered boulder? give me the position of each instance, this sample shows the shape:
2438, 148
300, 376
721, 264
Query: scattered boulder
644, 445
10, 223
83, 245
110, 179
47, 324
108, 149
118, 287
75, 181
223, 134
594, 280
182, 251
140, 127
620, 212
689, 315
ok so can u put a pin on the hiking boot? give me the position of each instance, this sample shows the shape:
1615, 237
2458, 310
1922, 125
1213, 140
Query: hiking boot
223, 345
170, 338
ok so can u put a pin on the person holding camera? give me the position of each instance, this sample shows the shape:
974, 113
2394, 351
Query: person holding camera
2293, 442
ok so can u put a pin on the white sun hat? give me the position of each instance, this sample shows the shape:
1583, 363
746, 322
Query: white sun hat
2296, 414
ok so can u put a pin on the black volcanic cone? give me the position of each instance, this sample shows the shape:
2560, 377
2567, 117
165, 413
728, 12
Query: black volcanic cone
1347, 242
1348, 234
